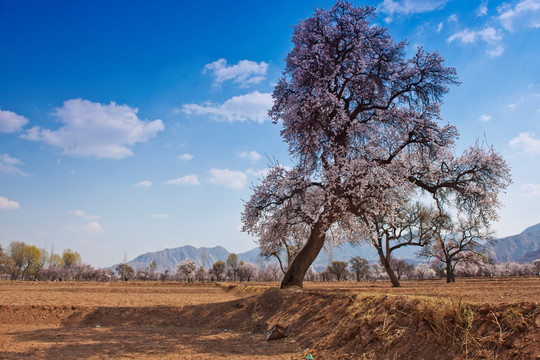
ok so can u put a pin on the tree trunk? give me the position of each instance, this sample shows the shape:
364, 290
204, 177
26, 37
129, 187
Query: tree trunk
449, 273
303, 260
393, 278
385, 261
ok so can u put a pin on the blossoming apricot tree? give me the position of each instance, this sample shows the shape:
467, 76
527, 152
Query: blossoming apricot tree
363, 124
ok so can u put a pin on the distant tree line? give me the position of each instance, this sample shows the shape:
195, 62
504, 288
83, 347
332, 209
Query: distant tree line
21, 261
359, 269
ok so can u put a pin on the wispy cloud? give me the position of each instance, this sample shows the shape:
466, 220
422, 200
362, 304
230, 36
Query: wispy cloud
531, 189
252, 155
96, 130
92, 228
408, 7
250, 107
10, 165
184, 180
228, 178
485, 117
482, 9
526, 143
185, 157
83, 214
440, 27
11, 122
144, 183
7, 204
452, 18
244, 73
489, 35
526, 14
531, 98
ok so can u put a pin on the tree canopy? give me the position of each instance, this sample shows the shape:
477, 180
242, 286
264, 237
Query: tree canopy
363, 124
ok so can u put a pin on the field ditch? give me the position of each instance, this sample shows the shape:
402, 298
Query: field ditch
230, 321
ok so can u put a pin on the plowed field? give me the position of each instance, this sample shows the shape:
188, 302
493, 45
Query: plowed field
496, 318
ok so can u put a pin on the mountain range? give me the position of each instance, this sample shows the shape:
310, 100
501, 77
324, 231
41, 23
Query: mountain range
523, 248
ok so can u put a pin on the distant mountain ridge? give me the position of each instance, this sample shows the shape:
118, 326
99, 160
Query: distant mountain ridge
168, 259
523, 248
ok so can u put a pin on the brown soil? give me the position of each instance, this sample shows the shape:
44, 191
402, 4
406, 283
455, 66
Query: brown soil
471, 319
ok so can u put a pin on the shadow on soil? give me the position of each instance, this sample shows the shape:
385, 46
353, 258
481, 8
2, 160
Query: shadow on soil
337, 325
216, 330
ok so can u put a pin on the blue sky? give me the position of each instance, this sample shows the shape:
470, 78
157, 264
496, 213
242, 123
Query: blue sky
132, 126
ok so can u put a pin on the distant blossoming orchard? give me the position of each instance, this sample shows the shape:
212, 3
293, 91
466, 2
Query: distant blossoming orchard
363, 124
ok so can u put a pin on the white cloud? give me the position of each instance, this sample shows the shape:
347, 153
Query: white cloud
252, 155
92, 228
525, 142
407, 7
526, 14
440, 27
96, 130
144, 183
253, 106
7, 204
185, 157
525, 99
11, 122
10, 165
488, 35
83, 214
485, 117
245, 72
482, 10
467, 36
184, 180
159, 216
228, 178
532, 189
453, 18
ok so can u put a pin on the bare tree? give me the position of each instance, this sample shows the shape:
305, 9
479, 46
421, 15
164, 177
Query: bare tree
407, 225
187, 270
456, 242
338, 269
201, 273
359, 266
125, 271
6, 263
402, 267
232, 264
247, 272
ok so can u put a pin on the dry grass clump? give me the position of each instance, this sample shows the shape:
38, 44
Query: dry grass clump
412, 327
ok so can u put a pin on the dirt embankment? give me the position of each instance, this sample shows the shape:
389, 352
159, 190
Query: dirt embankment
328, 324
345, 325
